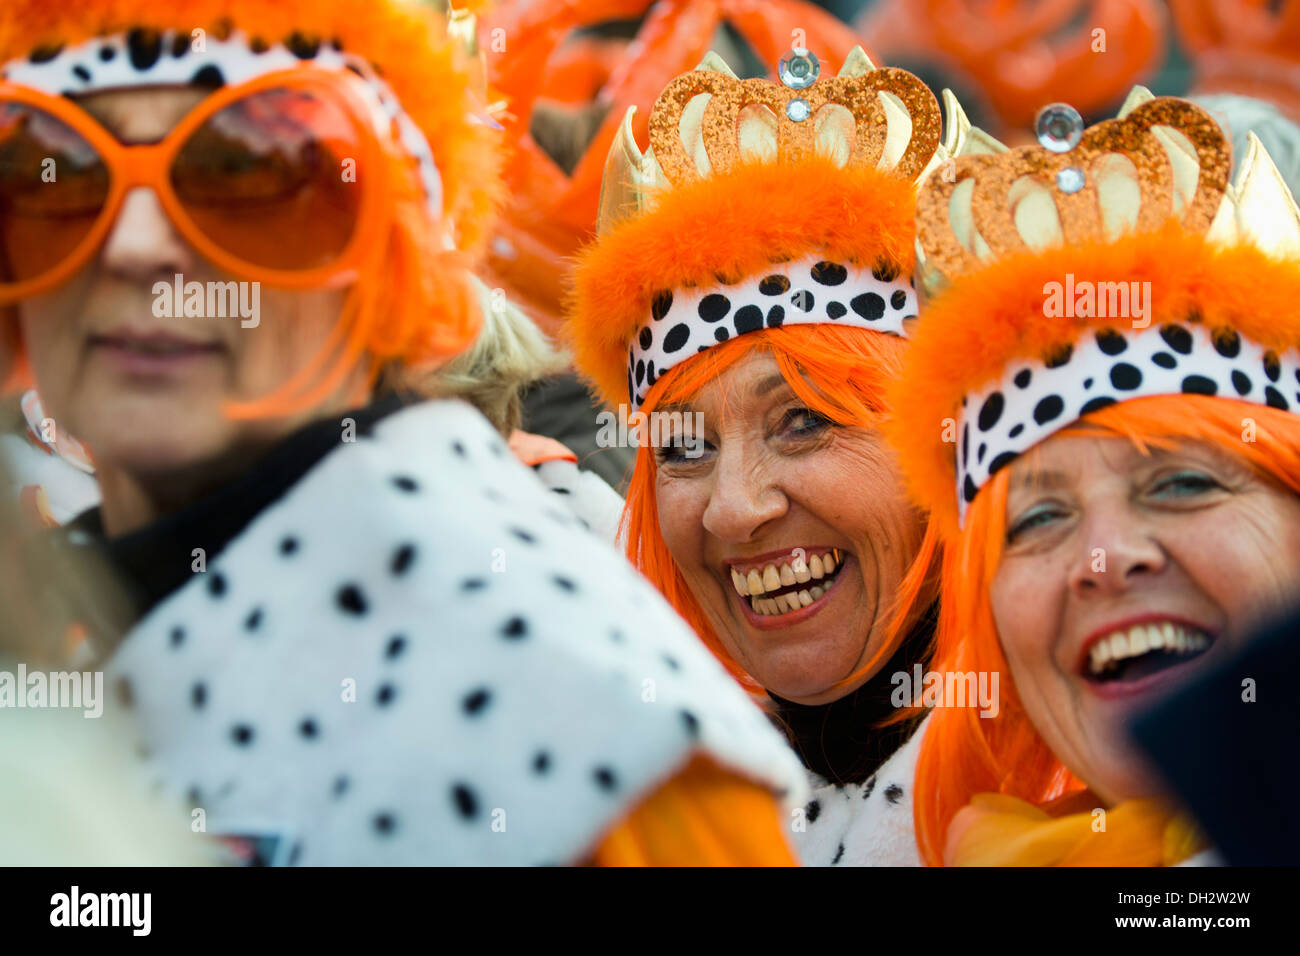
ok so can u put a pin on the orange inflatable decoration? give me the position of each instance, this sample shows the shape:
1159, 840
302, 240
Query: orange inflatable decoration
1024, 54
1248, 47
551, 214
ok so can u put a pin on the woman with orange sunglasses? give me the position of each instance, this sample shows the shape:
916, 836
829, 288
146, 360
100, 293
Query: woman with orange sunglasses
359, 632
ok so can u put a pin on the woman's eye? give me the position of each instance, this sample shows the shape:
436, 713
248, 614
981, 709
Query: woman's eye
1033, 519
682, 448
802, 422
1185, 484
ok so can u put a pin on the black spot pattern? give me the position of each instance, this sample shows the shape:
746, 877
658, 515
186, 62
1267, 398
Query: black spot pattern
1096, 404
748, 318
475, 701
208, 78
1177, 338
144, 47
45, 53
1048, 409
1227, 343
868, 305
660, 304
1000, 462
712, 308
1059, 356
302, 46
991, 411
829, 273
677, 337
774, 285
1271, 366
402, 560
1164, 360
1125, 376
1111, 342
351, 600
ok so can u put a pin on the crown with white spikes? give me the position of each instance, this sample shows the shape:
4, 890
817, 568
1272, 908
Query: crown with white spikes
1030, 258
707, 121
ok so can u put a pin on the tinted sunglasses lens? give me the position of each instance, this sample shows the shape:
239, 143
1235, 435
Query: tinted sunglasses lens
271, 179
53, 186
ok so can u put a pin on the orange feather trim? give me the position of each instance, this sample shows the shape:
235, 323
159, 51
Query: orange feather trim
729, 227
990, 318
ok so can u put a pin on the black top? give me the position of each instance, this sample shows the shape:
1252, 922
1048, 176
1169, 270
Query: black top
844, 741
156, 560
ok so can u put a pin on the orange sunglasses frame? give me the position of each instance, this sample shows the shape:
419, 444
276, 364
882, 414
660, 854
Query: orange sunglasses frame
149, 164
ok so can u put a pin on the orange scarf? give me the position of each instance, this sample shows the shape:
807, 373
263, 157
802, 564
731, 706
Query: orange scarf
999, 830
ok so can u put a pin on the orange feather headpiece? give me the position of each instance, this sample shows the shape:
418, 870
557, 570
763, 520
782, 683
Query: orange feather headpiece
1118, 265
808, 185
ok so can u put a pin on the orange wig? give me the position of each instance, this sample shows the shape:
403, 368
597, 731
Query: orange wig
411, 305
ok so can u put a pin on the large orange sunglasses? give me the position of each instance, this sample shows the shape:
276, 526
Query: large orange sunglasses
278, 180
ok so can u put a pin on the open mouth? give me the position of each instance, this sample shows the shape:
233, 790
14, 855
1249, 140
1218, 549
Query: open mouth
1134, 653
783, 587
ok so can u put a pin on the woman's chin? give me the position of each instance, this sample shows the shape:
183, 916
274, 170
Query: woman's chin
808, 679
157, 452
1122, 775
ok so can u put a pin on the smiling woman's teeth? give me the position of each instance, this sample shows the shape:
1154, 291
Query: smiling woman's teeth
759, 586
1107, 653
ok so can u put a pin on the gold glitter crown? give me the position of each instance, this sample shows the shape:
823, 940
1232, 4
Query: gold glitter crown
1161, 159
708, 121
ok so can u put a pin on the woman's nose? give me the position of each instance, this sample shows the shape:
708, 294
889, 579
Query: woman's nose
142, 244
1116, 547
744, 497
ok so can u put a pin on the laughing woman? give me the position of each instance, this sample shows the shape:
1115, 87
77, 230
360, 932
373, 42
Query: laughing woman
1123, 502
359, 632
753, 275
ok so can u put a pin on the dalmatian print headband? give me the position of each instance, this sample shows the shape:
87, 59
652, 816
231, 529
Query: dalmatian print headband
810, 291
146, 58
1037, 398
